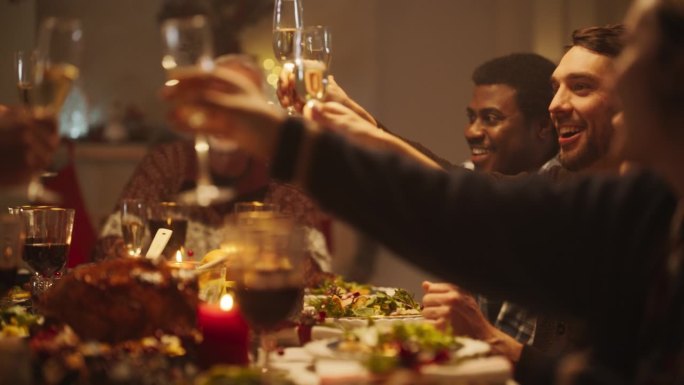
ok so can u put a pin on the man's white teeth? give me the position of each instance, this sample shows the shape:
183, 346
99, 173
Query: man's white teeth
569, 131
479, 151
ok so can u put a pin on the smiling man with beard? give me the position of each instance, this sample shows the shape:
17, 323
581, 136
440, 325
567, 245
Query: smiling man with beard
585, 102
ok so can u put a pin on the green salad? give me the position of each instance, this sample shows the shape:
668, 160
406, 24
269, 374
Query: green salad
408, 345
393, 302
336, 285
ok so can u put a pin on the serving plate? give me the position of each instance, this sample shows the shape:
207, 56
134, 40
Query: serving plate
329, 349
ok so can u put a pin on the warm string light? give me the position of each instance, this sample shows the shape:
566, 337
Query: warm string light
273, 71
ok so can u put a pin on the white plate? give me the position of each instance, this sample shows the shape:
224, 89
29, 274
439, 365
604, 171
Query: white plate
326, 348
356, 322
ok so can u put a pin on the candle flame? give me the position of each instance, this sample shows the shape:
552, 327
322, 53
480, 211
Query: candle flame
227, 302
179, 256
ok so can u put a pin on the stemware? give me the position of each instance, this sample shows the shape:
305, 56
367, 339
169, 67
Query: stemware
46, 247
268, 273
312, 55
188, 47
11, 243
133, 225
172, 216
44, 79
287, 18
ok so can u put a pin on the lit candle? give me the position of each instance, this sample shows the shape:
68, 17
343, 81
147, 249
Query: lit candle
225, 333
181, 263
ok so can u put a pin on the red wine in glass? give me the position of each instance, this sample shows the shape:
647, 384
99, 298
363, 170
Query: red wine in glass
46, 258
265, 308
179, 228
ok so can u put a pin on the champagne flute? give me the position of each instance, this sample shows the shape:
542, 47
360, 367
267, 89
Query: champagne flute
25, 63
44, 79
268, 273
188, 47
312, 55
133, 225
287, 18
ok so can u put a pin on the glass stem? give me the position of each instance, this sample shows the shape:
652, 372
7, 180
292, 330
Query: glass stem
202, 151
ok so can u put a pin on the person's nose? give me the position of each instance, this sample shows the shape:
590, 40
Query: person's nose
560, 104
474, 131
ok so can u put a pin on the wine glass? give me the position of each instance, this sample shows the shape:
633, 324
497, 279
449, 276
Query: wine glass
268, 273
312, 55
45, 77
133, 225
46, 247
172, 216
11, 243
188, 47
287, 18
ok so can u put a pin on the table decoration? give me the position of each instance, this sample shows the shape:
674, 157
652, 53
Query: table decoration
225, 333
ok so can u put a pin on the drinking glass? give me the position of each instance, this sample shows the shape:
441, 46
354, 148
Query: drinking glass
287, 18
133, 225
188, 47
312, 55
172, 216
44, 79
24, 63
11, 244
46, 247
268, 273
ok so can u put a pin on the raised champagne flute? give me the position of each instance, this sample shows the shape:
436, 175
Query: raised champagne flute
188, 48
312, 55
48, 238
45, 77
268, 272
287, 18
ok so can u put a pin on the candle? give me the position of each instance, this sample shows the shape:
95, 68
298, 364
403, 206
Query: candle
225, 333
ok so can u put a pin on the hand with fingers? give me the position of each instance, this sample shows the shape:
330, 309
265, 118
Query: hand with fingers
231, 106
447, 304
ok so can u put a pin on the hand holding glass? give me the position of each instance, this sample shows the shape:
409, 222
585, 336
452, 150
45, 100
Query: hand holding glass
188, 48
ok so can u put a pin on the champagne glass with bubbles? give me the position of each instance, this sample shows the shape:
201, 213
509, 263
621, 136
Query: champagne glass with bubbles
312, 55
188, 48
287, 18
133, 225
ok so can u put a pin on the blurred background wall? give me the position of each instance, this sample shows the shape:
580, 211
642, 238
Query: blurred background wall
409, 62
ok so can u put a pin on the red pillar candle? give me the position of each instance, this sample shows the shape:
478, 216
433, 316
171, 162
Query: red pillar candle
225, 334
